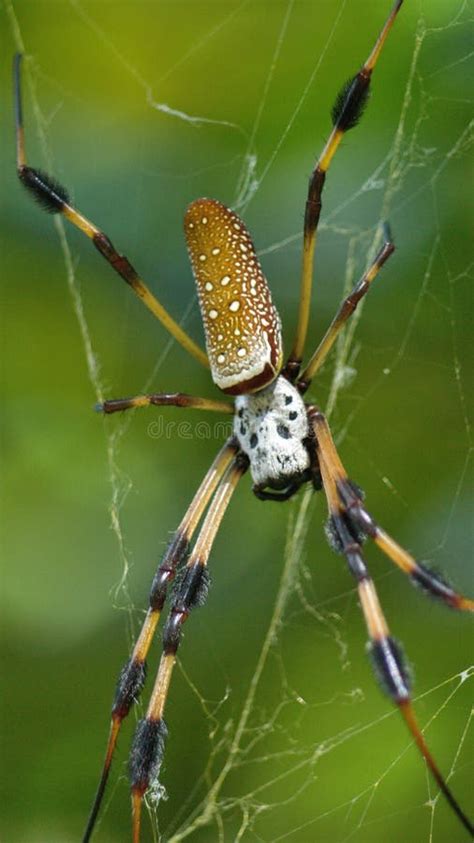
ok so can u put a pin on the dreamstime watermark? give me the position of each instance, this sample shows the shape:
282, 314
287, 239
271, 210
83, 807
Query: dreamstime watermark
169, 429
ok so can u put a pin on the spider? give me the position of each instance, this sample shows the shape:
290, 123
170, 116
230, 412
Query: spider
283, 440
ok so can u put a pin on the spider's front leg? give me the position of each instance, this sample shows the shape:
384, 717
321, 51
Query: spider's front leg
191, 591
132, 675
350, 500
349, 525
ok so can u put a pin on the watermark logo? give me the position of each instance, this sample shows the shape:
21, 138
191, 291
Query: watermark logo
169, 429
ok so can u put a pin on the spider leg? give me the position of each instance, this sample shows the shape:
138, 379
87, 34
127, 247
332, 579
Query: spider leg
132, 675
161, 399
387, 656
347, 110
350, 498
346, 309
191, 591
54, 199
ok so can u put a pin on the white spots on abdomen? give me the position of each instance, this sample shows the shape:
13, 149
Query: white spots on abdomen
234, 298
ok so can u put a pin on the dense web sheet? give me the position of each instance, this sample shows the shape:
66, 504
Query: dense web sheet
294, 741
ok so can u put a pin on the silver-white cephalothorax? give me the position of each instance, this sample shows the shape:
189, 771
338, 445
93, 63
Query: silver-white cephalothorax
271, 426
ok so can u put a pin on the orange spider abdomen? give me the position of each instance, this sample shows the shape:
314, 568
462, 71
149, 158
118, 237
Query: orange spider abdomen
241, 324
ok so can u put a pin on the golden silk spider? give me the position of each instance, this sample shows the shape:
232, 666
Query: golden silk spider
283, 440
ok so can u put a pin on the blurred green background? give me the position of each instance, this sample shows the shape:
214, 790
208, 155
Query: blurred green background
264, 74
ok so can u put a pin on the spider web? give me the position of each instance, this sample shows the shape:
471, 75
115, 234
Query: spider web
277, 732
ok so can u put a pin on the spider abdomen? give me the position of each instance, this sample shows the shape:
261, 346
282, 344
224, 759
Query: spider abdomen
272, 429
241, 323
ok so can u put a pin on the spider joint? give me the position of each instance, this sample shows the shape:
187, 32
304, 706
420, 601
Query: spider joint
129, 686
147, 753
390, 668
48, 192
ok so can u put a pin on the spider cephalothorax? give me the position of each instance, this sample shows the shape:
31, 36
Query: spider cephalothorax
272, 428
285, 441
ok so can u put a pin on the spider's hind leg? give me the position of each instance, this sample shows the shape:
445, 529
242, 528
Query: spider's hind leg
54, 199
347, 111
